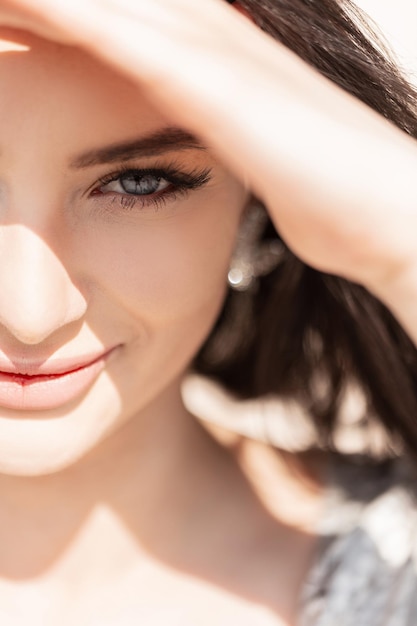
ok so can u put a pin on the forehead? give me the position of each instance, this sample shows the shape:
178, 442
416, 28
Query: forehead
50, 92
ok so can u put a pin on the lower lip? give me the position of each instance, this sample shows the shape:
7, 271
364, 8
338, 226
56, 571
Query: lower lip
40, 393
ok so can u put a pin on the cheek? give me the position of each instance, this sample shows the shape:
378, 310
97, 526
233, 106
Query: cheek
166, 267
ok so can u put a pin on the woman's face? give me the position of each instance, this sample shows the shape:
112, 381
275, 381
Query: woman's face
115, 238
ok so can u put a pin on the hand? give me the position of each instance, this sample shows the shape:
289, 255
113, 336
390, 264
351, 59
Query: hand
338, 179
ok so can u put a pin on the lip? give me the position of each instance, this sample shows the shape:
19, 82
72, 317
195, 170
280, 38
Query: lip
34, 386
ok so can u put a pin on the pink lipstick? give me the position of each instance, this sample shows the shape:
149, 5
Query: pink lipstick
29, 387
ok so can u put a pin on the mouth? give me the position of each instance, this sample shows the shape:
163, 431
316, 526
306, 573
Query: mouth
29, 387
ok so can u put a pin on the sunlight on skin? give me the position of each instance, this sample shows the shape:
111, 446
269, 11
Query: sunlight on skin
12, 46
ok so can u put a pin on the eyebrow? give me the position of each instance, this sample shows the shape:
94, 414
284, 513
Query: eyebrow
165, 140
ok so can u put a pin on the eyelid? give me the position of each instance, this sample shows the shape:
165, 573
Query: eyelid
181, 184
171, 170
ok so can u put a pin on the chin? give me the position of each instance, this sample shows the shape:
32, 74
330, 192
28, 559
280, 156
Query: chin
40, 443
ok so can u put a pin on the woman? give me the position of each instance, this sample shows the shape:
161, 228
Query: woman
138, 140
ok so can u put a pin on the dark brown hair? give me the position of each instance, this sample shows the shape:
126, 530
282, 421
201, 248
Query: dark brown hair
302, 326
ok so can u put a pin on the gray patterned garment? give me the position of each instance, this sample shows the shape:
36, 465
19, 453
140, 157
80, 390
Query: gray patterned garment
365, 569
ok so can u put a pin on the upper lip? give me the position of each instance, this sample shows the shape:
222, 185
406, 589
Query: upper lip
51, 366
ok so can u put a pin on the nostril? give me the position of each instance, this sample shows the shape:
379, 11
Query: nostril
32, 325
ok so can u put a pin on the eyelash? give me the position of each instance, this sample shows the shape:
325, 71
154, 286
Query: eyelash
181, 183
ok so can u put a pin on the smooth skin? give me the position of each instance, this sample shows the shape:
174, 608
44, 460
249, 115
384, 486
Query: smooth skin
117, 506
329, 172
121, 501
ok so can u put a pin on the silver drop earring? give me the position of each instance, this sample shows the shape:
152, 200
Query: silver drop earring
252, 257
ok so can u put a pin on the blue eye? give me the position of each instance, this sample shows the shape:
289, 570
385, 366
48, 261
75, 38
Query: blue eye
149, 186
136, 183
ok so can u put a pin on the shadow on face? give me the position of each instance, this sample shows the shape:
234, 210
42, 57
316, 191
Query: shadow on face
116, 233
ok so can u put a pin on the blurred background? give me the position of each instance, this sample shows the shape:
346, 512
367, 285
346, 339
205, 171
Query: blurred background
285, 425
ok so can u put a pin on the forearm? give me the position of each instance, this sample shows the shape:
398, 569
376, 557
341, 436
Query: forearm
337, 178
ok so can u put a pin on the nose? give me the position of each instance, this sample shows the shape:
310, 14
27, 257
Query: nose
37, 295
